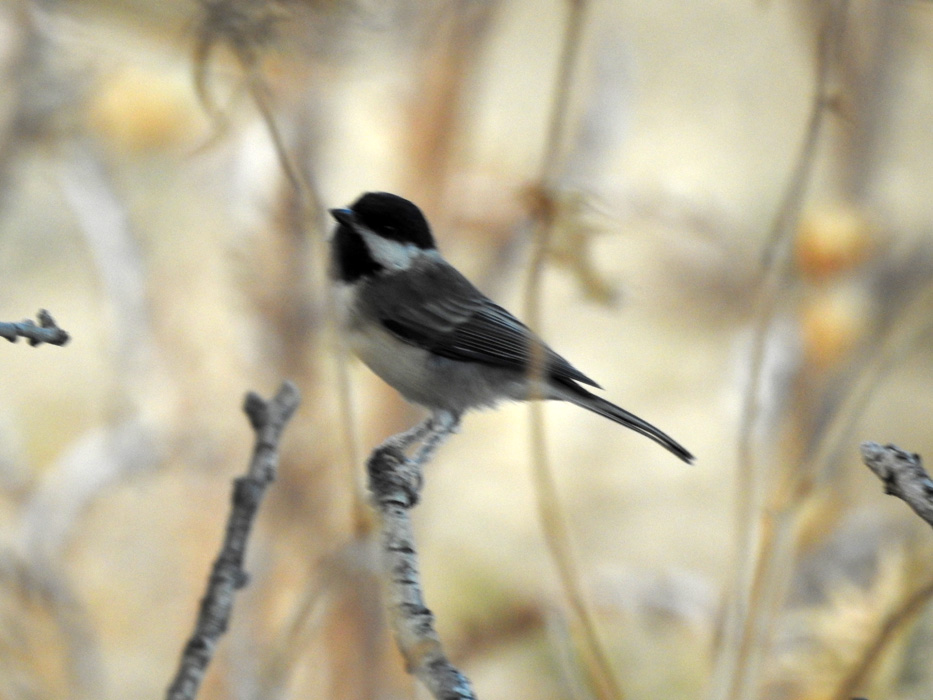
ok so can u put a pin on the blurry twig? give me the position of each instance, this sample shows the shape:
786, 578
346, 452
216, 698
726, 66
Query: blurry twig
92, 463
248, 28
341, 578
455, 37
293, 638
553, 521
783, 225
268, 419
395, 482
892, 623
41, 89
773, 568
903, 476
259, 91
735, 671
311, 210
46, 332
47, 641
109, 235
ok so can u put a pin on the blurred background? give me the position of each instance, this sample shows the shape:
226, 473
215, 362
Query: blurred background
728, 203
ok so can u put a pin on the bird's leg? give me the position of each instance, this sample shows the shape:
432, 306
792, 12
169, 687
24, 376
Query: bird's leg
403, 441
443, 424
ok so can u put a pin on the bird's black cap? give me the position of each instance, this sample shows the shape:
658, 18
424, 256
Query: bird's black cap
391, 217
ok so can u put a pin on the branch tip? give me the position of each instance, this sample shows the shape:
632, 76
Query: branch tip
256, 410
46, 331
287, 399
903, 476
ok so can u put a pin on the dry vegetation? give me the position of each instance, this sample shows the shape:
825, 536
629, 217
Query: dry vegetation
719, 210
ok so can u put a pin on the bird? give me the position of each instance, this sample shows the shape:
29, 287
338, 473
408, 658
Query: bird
427, 331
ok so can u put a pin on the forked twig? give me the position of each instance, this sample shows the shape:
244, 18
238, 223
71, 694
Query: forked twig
268, 419
46, 331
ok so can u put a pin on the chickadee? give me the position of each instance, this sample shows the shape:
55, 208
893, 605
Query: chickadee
427, 331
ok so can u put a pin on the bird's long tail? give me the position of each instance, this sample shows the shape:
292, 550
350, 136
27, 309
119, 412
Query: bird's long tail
581, 397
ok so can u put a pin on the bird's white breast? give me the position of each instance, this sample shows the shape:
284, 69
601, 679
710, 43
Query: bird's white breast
419, 375
404, 366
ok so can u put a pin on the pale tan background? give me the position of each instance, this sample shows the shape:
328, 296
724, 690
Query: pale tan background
166, 243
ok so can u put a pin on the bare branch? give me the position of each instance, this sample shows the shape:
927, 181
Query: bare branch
227, 575
395, 482
903, 476
46, 332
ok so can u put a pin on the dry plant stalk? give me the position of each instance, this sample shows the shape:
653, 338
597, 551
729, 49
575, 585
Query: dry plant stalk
753, 593
456, 38
595, 660
893, 623
311, 211
247, 28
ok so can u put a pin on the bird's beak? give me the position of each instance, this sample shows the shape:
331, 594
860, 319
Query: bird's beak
343, 216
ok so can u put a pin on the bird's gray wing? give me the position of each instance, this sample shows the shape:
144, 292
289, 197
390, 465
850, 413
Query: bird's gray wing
435, 307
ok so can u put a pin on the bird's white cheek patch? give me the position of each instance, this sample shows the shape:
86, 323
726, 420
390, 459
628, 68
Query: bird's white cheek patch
392, 255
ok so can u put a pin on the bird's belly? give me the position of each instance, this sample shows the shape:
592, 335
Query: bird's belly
401, 365
425, 378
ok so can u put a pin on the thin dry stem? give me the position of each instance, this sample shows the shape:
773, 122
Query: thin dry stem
893, 623
247, 28
902, 335
778, 523
294, 638
259, 91
595, 659
311, 212
738, 641
456, 38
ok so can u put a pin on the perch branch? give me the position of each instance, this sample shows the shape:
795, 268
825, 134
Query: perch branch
395, 483
903, 476
268, 419
46, 332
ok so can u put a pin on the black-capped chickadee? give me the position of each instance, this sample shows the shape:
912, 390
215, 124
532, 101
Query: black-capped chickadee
427, 331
